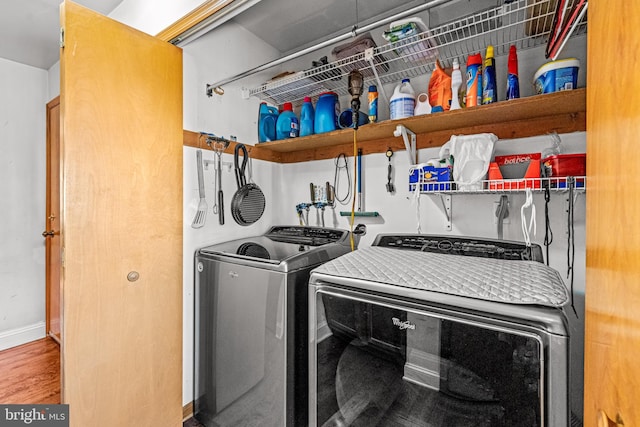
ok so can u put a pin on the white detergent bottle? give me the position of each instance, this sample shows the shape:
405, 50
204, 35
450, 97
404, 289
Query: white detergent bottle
403, 101
456, 82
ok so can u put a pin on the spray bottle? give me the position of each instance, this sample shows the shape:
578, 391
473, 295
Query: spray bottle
456, 82
513, 85
489, 88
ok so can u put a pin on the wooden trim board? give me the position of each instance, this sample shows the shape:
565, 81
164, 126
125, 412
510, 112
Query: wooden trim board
187, 411
192, 19
561, 112
196, 140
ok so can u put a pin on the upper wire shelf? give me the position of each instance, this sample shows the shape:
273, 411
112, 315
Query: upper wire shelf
523, 23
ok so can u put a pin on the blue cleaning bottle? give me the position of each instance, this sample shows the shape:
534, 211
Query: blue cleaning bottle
307, 115
287, 125
267, 118
513, 85
327, 111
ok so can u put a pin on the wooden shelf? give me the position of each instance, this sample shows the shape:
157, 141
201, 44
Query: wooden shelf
562, 112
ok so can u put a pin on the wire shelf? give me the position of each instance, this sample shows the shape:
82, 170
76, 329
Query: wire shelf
557, 184
523, 23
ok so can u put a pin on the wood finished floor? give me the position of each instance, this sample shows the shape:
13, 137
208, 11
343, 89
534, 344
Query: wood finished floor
30, 373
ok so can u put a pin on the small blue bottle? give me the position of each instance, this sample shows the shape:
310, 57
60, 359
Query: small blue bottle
307, 115
287, 125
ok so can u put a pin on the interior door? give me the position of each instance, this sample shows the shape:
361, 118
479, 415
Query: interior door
612, 325
52, 221
121, 155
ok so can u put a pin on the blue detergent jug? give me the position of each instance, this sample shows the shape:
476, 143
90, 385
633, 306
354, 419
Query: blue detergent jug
327, 111
267, 118
307, 117
287, 125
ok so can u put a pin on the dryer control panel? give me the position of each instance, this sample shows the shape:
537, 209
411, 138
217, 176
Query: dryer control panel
467, 246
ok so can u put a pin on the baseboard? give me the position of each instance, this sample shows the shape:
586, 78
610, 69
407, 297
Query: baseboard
19, 336
187, 411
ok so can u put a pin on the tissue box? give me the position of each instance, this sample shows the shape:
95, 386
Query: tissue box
516, 171
434, 179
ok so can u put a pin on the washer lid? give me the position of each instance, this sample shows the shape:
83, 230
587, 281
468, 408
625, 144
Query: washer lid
257, 249
284, 248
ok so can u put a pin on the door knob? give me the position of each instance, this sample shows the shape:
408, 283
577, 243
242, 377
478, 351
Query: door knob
48, 233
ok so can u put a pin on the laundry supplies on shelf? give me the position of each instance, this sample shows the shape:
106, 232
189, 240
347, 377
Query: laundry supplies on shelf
307, 117
474, 80
489, 86
287, 125
513, 84
402, 101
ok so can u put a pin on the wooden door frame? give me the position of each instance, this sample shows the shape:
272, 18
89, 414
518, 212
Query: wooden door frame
193, 18
55, 102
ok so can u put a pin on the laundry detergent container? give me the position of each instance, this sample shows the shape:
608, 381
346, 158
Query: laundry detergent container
557, 75
327, 111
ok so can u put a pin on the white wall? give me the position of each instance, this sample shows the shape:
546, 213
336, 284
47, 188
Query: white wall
53, 76
152, 16
22, 202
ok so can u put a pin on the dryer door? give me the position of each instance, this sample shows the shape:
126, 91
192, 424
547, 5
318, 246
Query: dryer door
375, 361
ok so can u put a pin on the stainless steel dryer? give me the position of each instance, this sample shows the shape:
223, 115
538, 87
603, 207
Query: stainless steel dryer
251, 325
437, 331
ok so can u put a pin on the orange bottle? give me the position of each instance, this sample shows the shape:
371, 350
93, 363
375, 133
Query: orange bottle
474, 80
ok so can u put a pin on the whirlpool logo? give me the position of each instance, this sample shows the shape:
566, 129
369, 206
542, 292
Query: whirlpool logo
403, 325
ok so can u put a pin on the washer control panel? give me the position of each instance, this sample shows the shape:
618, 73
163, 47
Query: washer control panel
312, 236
